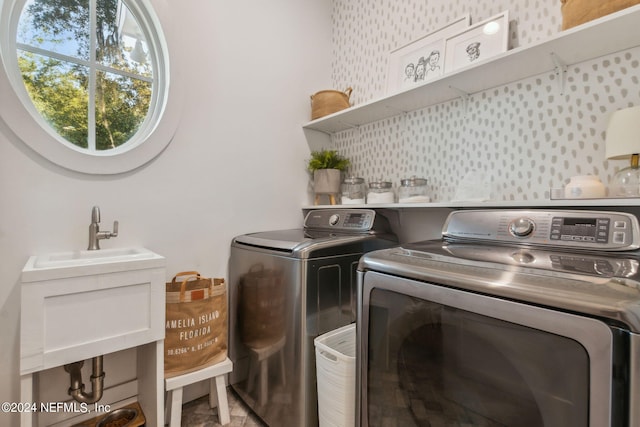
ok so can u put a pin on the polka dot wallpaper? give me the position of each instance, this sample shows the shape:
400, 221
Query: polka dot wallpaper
525, 137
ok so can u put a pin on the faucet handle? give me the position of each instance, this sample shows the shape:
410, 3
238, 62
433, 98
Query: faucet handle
114, 233
95, 215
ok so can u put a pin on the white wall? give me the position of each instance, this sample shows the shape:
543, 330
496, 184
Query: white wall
236, 164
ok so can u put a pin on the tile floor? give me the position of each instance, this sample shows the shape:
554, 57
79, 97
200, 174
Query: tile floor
198, 414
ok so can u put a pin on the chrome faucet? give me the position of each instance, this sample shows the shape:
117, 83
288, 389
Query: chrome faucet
95, 235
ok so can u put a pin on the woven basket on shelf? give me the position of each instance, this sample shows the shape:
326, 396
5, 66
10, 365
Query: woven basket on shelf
327, 102
576, 12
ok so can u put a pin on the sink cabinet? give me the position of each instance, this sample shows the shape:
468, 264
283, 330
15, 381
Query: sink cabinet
71, 313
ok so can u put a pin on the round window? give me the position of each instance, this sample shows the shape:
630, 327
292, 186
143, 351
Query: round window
93, 74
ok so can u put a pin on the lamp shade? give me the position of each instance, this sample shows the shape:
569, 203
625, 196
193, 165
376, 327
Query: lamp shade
623, 134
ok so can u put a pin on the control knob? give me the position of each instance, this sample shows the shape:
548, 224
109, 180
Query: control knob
333, 219
521, 227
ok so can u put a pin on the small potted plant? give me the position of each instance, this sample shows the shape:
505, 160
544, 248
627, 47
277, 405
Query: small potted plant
326, 166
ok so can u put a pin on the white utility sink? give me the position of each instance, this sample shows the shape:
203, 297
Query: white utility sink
69, 259
78, 263
81, 304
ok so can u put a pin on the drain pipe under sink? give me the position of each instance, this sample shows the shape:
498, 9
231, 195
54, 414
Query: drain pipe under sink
76, 390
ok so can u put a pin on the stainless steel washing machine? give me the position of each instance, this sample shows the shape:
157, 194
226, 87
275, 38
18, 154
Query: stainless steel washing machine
524, 318
287, 287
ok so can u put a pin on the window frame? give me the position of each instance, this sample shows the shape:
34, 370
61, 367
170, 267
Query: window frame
20, 115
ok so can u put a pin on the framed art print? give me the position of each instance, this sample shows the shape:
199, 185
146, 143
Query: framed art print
423, 59
477, 43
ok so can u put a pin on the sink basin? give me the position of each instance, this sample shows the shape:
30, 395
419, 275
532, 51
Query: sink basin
77, 263
68, 259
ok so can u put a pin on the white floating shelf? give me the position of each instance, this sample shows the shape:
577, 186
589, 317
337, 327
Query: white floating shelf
523, 204
607, 35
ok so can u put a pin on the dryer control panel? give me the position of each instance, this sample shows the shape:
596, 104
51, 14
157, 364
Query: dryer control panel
600, 230
348, 220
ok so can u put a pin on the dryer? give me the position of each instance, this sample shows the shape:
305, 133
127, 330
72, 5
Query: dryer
286, 287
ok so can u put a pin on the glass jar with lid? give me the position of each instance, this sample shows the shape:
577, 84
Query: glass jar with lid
413, 190
354, 191
380, 192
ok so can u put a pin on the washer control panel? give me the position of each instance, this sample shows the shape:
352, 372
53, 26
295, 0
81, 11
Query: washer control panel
600, 230
352, 220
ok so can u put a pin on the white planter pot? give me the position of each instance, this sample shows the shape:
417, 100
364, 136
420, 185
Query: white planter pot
326, 181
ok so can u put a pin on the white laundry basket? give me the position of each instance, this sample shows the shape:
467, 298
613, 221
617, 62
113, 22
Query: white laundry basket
336, 374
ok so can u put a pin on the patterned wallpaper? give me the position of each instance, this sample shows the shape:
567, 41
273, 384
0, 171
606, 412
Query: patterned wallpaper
525, 137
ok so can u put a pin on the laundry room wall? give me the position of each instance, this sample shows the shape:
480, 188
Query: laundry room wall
235, 165
525, 137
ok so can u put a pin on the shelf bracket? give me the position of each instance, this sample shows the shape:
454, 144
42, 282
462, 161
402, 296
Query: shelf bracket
465, 96
560, 71
317, 139
350, 126
394, 109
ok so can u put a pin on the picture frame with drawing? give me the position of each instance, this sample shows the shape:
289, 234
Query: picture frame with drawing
423, 59
478, 42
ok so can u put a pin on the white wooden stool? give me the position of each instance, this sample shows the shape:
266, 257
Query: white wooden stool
259, 365
217, 391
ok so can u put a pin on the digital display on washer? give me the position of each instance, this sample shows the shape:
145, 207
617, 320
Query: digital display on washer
354, 219
580, 229
579, 226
